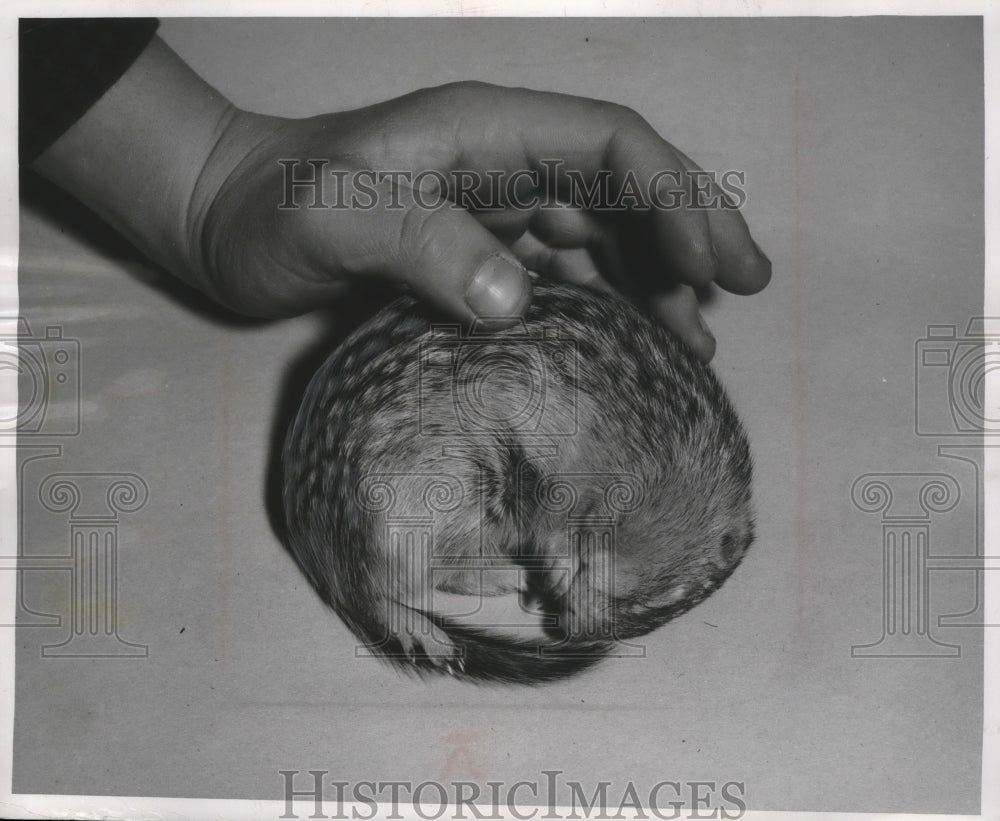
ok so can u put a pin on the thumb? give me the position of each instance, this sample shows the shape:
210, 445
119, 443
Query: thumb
449, 259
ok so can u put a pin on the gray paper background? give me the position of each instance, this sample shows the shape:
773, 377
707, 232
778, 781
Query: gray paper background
861, 140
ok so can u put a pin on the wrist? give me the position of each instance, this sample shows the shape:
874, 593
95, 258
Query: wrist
241, 139
137, 155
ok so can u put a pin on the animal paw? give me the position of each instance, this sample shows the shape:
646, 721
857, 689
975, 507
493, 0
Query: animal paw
421, 642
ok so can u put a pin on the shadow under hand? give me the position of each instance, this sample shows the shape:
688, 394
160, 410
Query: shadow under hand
47, 200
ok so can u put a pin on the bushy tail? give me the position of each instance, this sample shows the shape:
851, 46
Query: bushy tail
487, 657
478, 654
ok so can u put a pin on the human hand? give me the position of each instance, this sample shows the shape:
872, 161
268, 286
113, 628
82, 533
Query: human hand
389, 183
202, 188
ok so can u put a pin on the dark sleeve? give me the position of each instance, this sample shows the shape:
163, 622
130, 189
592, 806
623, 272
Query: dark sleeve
65, 66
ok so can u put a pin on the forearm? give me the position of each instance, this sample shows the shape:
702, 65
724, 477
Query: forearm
137, 154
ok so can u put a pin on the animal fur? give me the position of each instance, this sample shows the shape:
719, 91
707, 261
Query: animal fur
582, 470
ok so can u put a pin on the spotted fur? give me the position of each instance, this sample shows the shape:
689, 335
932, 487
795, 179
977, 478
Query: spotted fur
582, 467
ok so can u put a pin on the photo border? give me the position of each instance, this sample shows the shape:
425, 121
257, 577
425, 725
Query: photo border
77, 806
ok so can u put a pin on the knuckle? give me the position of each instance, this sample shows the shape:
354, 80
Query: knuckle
465, 91
625, 117
426, 237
